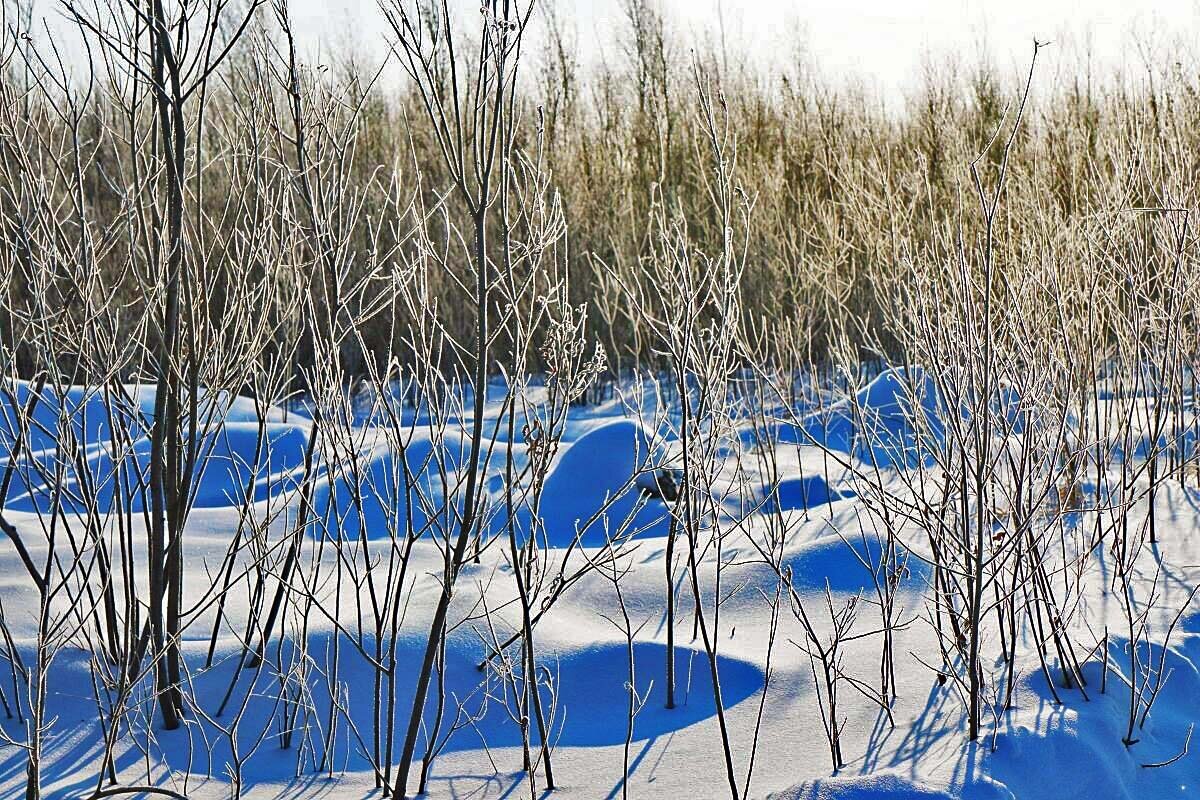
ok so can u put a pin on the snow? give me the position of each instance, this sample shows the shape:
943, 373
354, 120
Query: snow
891, 421
592, 477
1037, 749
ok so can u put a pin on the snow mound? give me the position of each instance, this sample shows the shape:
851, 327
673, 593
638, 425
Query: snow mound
892, 421
597, 473
843, 565
1080, 740
588, 703
382, 493
802, 494
231, 461
78, 411
76, 427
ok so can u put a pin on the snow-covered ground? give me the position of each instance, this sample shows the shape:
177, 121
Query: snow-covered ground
1069, 747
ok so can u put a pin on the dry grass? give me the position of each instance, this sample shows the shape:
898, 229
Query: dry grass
849, 197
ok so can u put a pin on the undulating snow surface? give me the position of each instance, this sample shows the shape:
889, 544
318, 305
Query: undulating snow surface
1039, 748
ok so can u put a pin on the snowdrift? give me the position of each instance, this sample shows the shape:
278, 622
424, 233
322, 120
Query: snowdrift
591, 491
588, 705
846, 566
387, 491
802, 494
893, 421
382, 490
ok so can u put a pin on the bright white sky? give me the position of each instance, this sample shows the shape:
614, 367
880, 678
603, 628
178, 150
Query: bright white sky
877, 42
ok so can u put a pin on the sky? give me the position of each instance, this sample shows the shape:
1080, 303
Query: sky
873, 42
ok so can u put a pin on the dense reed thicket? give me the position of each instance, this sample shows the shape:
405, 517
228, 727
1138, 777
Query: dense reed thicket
850, 192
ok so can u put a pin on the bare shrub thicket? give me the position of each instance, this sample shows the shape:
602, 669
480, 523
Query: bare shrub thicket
206, 237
